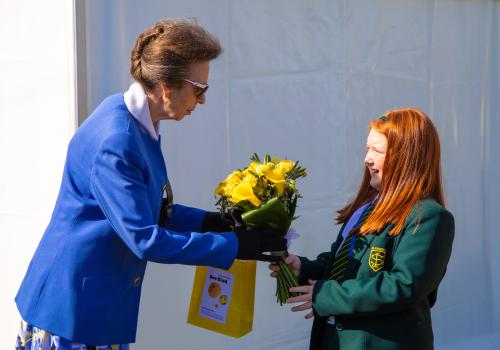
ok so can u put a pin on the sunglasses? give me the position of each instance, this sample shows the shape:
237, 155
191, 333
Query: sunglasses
203, 87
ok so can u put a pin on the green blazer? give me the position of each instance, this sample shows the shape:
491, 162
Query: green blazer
392, 284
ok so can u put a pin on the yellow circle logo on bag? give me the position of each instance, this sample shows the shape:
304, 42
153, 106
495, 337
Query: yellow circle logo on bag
223, 299
214, 289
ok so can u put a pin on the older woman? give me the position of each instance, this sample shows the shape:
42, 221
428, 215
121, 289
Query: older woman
83, 285
375, 287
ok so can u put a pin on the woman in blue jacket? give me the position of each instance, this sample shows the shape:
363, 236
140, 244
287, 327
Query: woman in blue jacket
83, 285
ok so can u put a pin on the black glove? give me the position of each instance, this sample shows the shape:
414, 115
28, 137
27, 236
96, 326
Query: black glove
214, 222
165, 212
252, 242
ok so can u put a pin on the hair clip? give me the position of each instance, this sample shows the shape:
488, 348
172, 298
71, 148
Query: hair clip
383, 118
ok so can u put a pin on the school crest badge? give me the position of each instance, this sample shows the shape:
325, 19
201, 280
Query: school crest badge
377, 258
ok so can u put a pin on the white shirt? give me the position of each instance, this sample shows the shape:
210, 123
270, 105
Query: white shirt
137, 104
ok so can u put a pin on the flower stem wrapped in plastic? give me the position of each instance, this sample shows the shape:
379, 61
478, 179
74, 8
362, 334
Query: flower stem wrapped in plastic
264, 195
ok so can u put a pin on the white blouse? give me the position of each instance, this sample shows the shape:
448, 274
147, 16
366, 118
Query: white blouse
137, 104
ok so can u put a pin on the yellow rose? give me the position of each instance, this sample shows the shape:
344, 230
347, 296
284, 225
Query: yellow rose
226, 187
268, 167
255, 168
274, 175
277, 178
243, 192
219, 191
228, 190
250, 179
285, 166
234, 177
280, 187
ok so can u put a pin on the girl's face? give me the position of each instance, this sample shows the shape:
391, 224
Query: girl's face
376, 148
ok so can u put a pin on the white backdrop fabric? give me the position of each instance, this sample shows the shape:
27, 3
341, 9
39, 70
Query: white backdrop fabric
37, 119
302, 79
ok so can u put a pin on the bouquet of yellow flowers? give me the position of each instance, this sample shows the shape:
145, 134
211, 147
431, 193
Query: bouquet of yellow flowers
265, 196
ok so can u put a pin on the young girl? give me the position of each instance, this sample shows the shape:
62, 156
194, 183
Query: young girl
375, 287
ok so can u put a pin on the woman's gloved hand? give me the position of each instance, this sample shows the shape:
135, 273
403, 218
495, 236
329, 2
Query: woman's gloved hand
253, 242
214, 222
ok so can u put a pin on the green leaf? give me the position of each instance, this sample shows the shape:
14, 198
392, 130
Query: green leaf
255, 158
272, 214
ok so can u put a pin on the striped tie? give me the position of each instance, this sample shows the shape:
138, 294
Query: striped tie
339, 266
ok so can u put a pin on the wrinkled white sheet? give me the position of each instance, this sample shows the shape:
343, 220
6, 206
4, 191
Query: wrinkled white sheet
302, 79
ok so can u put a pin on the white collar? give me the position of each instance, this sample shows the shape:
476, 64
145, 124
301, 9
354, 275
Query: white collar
137, 104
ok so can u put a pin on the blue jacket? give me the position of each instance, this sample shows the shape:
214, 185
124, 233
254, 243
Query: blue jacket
84, 281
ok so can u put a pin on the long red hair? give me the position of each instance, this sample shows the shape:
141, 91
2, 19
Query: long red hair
412, 171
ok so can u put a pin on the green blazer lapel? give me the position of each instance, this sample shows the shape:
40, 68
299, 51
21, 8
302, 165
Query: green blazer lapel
361, 245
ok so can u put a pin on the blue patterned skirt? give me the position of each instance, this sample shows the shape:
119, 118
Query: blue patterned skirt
33, 338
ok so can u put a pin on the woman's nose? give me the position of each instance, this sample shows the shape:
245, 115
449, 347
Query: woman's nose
201, 99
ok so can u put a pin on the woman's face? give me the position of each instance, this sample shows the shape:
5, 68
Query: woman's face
376, 148
182, 101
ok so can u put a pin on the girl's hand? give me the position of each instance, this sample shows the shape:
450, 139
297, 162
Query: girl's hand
292, 260
305, 298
